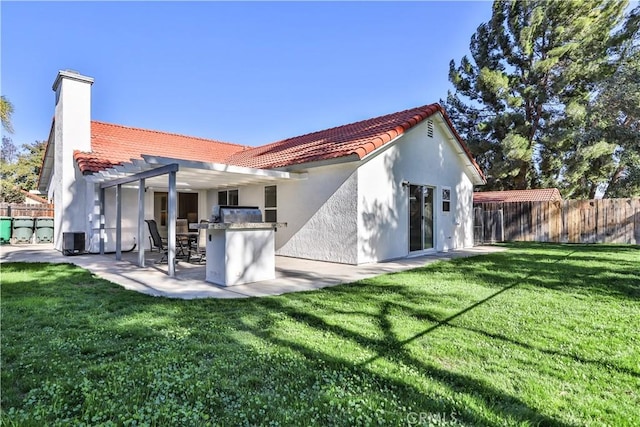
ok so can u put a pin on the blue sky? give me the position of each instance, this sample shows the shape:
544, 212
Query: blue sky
243, 72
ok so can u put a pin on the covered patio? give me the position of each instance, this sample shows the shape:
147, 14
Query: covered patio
172, 175
292, 274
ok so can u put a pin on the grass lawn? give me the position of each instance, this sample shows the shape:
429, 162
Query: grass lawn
539, 335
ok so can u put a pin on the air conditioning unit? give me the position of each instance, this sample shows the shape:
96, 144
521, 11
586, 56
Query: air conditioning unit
73, 243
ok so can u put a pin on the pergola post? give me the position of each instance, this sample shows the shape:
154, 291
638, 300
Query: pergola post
119, 222
141, 223
102, 190
172, 204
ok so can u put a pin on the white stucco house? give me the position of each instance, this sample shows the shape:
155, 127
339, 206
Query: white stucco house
382, 188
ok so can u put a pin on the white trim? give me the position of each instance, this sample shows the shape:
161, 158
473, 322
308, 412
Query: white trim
71, 75
221, 167
476, 177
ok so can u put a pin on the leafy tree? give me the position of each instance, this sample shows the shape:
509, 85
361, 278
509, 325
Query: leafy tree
533, 70
6, 111
10, 193
19, 169
27, 170
9, 150
22, 173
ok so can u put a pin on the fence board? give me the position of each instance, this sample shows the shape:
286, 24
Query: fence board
572, 221
556, 219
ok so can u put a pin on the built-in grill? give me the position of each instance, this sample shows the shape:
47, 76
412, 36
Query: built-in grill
240, 246
235, 214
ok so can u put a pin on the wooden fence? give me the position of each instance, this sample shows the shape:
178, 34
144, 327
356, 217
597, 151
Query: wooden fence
566, 221
26, 209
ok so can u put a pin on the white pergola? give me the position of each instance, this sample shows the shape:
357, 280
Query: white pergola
193, 175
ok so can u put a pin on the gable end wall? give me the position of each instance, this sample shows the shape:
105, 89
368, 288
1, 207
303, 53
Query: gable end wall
383, 218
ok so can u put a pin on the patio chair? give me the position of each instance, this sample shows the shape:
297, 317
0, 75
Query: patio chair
183, 241
156, 240
182, 226
198, 248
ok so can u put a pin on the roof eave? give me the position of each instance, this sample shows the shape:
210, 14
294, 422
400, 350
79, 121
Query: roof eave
478, 177
300, 167
47, 165
194, 175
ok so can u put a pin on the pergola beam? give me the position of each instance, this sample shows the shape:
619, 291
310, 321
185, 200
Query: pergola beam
142, 175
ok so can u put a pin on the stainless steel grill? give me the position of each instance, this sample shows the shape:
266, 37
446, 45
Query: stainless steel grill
236, 214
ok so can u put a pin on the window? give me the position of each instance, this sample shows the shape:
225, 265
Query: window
188, 206
446, 199
270, 204
228, 198
163, 209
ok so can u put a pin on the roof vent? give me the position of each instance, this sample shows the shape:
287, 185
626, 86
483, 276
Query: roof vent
430, 128
68, 70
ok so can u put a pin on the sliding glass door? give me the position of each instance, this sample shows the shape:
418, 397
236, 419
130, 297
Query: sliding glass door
187, 208
421, 219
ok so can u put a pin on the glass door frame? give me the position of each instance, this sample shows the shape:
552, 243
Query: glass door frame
413, 190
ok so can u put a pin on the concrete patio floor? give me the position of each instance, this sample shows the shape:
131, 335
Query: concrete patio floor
292, 274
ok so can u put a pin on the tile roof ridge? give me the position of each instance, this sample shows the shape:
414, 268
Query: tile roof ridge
421, 109
170, 134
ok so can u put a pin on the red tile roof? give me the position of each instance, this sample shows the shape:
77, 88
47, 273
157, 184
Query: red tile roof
112, 145
359, 139
33, 197
534, 195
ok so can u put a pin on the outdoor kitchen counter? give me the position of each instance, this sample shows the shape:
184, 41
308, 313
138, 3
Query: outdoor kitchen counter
240, 252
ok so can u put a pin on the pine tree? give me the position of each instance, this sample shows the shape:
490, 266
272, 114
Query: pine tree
606, 153
533, 70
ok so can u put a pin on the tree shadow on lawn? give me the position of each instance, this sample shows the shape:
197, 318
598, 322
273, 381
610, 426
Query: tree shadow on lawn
391, 349
537, 270
402, 301
126, 324
566, 268
500, 337
548, 271
227, 317
129, 324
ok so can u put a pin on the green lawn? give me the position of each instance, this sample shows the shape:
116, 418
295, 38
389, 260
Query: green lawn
539, 335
